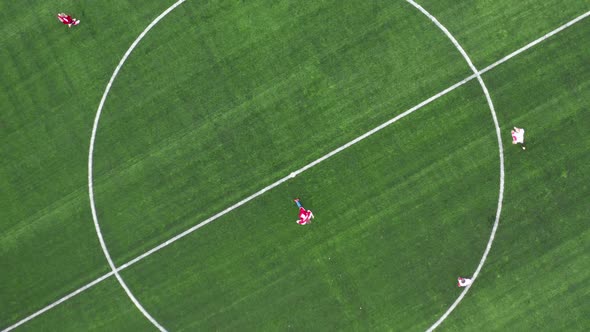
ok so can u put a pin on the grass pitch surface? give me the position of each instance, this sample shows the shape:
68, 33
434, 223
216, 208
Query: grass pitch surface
221, 100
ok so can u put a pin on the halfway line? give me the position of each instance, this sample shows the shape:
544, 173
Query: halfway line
427, 101
295, 173
356, 140
58, 302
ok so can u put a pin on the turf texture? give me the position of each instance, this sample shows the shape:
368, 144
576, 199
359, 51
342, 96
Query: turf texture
222, 99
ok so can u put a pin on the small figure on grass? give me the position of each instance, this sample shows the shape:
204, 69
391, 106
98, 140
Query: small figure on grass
518, 136
67, 19
305, 216
464, 282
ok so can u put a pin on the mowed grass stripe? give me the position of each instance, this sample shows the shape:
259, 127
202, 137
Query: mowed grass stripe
51, 80
488, 30
538, 276
102, 307
578, 124
245, 262
230, 153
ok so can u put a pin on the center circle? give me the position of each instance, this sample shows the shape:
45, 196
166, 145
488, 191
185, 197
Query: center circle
309, 68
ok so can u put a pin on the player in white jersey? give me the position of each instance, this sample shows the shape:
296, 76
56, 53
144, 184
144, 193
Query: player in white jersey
464, 282
518, 136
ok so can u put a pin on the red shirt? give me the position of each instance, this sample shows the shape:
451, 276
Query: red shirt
66, 19
304, 216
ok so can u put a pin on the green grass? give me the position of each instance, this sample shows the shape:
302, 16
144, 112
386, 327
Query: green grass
47, 99
377, 233
222, 99
104, 307
538, 273
215, 145
489, 30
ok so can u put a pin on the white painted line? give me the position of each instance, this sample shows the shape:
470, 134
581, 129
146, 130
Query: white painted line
498, 133
427, 101
90, 162
293, 174
500, 151
58, 302
535, 42
380, 127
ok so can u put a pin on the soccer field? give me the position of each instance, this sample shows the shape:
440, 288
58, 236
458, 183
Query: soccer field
150, 156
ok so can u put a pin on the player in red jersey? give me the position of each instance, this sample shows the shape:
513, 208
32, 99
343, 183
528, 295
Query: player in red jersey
305, 216
67, 19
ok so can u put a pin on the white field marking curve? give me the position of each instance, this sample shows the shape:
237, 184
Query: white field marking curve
58, 302
477, 73
367, 134
90, 162
427, 101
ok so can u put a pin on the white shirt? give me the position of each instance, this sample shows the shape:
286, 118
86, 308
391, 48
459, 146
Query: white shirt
518, 136
464, 282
